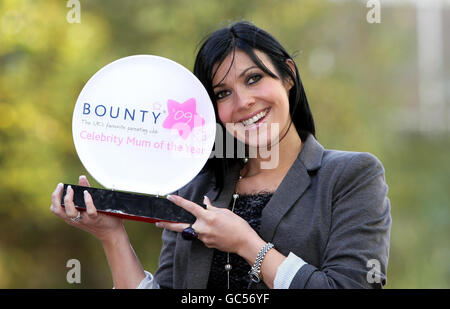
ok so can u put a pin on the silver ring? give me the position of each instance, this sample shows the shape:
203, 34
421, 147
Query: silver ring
77, 218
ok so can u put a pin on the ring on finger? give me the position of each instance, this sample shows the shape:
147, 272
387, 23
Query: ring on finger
189, 233
77, 218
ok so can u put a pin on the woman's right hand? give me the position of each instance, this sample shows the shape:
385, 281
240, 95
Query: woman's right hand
101, 225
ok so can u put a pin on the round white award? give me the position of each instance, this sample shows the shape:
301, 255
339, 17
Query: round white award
143, 124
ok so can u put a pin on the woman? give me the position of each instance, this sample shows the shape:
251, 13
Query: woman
300, 217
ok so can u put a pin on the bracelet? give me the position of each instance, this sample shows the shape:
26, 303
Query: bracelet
256, 268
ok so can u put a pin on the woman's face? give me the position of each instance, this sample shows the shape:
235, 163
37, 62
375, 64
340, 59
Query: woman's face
253, 106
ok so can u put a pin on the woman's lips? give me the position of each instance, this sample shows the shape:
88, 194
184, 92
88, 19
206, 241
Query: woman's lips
254, 114
259, 122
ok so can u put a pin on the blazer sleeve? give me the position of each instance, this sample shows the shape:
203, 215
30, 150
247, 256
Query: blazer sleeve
164, 273
357, 251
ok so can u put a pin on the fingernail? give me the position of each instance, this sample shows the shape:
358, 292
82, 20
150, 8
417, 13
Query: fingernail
59, 185
85, 192
82, 176
69, 187
170, 197
205, 199
158, 224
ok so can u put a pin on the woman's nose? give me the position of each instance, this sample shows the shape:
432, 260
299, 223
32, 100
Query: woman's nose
244, 99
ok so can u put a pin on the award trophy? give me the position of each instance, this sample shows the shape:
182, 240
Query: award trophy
143, 127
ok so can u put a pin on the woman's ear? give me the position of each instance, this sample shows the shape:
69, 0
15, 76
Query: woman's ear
289, 82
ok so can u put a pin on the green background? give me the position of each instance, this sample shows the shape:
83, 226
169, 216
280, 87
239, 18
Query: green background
361, 80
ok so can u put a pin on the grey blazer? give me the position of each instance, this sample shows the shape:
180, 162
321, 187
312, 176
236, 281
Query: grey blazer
331, 210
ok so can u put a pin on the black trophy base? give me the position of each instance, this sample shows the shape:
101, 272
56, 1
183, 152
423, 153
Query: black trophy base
130, 206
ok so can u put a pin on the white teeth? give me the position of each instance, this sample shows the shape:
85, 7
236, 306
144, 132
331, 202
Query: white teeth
255, 118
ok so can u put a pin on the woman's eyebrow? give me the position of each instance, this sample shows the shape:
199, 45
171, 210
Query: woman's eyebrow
240, 75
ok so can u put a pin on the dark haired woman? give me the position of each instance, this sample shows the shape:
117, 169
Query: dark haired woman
300, 217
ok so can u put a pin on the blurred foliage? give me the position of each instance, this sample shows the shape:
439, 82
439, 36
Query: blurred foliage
359, 77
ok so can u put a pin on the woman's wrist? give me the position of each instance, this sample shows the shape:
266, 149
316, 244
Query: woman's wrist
113, 237
249, 250
250, 247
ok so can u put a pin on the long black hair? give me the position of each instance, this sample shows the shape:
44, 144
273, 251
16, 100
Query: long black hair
247, 37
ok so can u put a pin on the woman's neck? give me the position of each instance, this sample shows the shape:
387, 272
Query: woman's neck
278, 159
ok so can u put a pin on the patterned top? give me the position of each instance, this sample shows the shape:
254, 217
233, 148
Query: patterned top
249, 207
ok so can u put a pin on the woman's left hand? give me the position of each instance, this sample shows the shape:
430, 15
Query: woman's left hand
218, 228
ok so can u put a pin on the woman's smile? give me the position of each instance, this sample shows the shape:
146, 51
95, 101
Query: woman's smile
251, 99
256, 119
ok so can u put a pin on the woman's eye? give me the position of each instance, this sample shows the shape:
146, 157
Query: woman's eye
221, 94
253, 79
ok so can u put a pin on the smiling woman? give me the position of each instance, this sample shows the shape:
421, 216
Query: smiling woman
317, 219
252, 100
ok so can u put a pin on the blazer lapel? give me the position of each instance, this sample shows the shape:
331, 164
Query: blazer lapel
222, 199
294, 184
292, 187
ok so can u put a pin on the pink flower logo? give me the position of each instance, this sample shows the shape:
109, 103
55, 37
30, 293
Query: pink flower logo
183, 117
